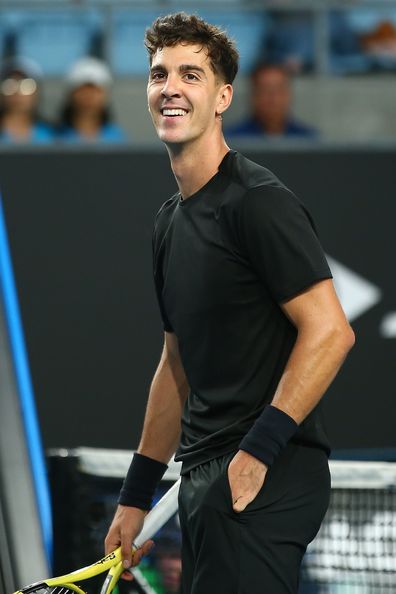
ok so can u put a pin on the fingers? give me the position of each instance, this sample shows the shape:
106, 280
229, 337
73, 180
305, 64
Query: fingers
127, 523
241, 502
246, 476
111, 543
142, 551
126, 549
137, 557
243, 492
126, 575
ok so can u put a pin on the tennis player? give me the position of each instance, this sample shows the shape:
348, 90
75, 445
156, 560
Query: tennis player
254, 335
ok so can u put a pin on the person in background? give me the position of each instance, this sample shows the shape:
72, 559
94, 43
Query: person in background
170, 567
164, 567
271, 98
86, 115
19, 95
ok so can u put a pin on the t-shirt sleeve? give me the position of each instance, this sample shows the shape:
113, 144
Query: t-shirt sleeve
158, 283
280, 241
165, 322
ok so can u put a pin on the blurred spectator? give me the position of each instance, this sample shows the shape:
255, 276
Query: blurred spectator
162, 568
362, 41
169, 566
86, 115
271, 97
19, 94
168, 561
381, 42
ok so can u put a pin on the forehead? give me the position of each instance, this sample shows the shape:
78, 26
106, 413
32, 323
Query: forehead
16, 74
271, 76
182, 53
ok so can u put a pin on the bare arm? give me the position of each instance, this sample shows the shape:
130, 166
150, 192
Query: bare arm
160, 437
323, 341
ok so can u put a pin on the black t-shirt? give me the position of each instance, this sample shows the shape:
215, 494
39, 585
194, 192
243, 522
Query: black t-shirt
224, 259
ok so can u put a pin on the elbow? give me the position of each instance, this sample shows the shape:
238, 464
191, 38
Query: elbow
351, 338
344, 338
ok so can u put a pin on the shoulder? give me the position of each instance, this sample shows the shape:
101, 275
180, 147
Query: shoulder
246, 127
253, 193
245, 177
256, 193
112, 131
271, 202
43, 131
296, 128
65, 132
165, 214
163, 222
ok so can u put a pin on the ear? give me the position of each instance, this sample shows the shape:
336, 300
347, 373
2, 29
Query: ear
224, 98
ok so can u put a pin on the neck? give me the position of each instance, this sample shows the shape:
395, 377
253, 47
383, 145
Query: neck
18, 124
88, 123
194, 164
273, 125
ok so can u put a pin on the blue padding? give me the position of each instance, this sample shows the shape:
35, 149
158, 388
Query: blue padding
25, 390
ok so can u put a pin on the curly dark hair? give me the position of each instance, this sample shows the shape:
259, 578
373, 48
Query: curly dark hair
167, 31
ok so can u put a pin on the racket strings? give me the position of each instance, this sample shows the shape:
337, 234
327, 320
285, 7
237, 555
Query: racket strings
51, 590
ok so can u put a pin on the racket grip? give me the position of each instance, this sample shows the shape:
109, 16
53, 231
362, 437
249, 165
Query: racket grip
159, 515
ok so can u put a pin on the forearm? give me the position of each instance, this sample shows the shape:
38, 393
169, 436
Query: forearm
168, 393
312, 366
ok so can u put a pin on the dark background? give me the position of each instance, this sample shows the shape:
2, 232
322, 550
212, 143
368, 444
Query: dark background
79, 226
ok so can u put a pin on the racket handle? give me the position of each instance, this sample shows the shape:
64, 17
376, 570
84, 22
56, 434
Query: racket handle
159, 515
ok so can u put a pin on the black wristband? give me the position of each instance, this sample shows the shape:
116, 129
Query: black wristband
269, 435
141, 481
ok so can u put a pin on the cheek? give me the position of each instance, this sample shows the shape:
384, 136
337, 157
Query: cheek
153, 92
25, 101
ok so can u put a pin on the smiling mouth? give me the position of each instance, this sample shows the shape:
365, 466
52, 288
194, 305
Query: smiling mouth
174, 112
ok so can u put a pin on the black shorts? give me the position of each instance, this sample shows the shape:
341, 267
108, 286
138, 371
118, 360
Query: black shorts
257, 551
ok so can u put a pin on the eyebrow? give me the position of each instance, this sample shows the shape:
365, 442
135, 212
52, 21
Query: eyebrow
186, 67
182, 68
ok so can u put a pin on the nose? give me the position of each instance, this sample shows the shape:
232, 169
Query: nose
171, 87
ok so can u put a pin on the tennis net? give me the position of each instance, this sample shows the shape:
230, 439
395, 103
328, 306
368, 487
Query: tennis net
353, 553
355, 549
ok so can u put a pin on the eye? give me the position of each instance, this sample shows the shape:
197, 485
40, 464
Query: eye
157, 75
191, 76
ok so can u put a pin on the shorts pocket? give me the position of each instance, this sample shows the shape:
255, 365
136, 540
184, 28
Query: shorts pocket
257, 501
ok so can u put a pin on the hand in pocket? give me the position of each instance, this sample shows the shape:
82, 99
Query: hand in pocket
246, 475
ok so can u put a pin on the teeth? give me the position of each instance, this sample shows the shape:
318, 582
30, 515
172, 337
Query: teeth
174, 112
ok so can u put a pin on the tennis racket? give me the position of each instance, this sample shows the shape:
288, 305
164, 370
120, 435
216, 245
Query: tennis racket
66, 584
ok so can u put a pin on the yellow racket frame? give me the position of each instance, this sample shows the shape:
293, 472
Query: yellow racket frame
111, 562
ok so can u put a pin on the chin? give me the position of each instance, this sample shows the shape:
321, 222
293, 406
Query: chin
171, 137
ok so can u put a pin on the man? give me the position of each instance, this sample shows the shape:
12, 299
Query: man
254, 334
271, 98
